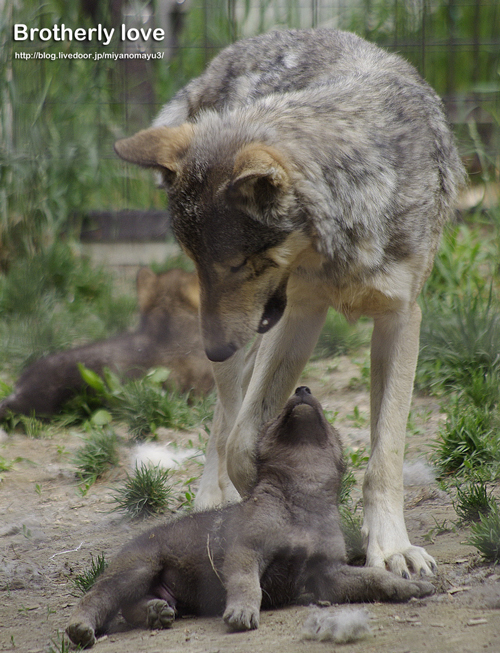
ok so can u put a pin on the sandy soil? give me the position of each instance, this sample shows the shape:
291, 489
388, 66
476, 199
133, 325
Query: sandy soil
48, 532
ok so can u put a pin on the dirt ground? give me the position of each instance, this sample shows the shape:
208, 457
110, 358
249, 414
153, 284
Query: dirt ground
48, 532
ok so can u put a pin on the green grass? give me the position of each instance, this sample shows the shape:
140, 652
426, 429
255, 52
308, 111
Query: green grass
85, 580
485, 535
472, 501
338, 337
459, 342
98, 454
55, 299
468, 442
145, 493
145, 405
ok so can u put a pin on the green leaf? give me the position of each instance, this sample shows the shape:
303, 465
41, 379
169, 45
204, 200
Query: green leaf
158, 374
101, 417
92, 379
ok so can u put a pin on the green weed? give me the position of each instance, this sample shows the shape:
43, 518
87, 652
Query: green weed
351, 523
469, 441
486, 534
98, 454
147, 492
144, 405
472, 501
5, 465
84, 581
60, 644
440, 528
339, 337
460, 342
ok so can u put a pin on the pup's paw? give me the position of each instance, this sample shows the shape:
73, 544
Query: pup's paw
81, 634
241, 618
396, 588
159, 614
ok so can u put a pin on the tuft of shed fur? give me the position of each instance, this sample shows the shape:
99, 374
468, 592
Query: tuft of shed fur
342, 626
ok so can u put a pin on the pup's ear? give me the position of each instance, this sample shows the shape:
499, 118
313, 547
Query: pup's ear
260, 180
159, 147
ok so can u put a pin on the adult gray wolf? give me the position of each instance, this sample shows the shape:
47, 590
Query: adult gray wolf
281, 543
306, 169
168, 335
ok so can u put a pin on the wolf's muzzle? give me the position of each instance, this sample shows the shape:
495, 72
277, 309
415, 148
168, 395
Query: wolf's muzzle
221, 353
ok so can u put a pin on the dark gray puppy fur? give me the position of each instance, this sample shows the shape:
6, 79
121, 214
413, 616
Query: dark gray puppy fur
281, 544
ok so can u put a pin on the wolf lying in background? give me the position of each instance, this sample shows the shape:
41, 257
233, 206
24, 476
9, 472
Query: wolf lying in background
168, 335
306, 169
283, 542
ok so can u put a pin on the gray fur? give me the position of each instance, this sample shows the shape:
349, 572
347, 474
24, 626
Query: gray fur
281, 545
306, 169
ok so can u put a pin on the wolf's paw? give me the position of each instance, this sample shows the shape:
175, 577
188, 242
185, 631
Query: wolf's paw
81, 634
414, 559
388, 546
241, 618
159, 614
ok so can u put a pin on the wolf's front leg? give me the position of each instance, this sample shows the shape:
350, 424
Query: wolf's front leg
280, 359
216, 487
394, 352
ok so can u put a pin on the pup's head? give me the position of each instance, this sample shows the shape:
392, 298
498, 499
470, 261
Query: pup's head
235, 213
301, 442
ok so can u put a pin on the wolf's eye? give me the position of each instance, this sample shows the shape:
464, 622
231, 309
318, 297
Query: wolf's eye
237, 268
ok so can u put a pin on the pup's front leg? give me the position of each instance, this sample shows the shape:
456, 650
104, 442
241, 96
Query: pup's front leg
394, 353
242, 579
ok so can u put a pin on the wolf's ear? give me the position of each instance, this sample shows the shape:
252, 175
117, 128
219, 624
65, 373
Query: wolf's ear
260, 180
159, 147
146, 283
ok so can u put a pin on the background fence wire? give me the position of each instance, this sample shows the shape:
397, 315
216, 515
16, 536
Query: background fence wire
59, 118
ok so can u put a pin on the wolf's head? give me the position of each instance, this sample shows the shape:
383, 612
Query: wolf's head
236, 214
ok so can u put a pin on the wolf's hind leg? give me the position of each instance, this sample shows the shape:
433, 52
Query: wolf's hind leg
150, 612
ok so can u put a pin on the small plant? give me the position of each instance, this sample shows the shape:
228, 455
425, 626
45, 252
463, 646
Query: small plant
33, 427
440, 528
5, 465
357, 418
351, 524
348, 482
145, 404
486, 534
358, 457
145, 493
339, 337
98, 454
472, 501
468, 441
60, 644
460, 345
84, 581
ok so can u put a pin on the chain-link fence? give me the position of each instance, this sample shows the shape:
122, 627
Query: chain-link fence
60, 115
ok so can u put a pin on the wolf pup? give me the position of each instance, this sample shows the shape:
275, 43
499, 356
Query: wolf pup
282, 542
168, 335
306, 169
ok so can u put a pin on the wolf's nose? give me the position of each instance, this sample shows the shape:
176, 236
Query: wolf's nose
220, 354
303, 390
